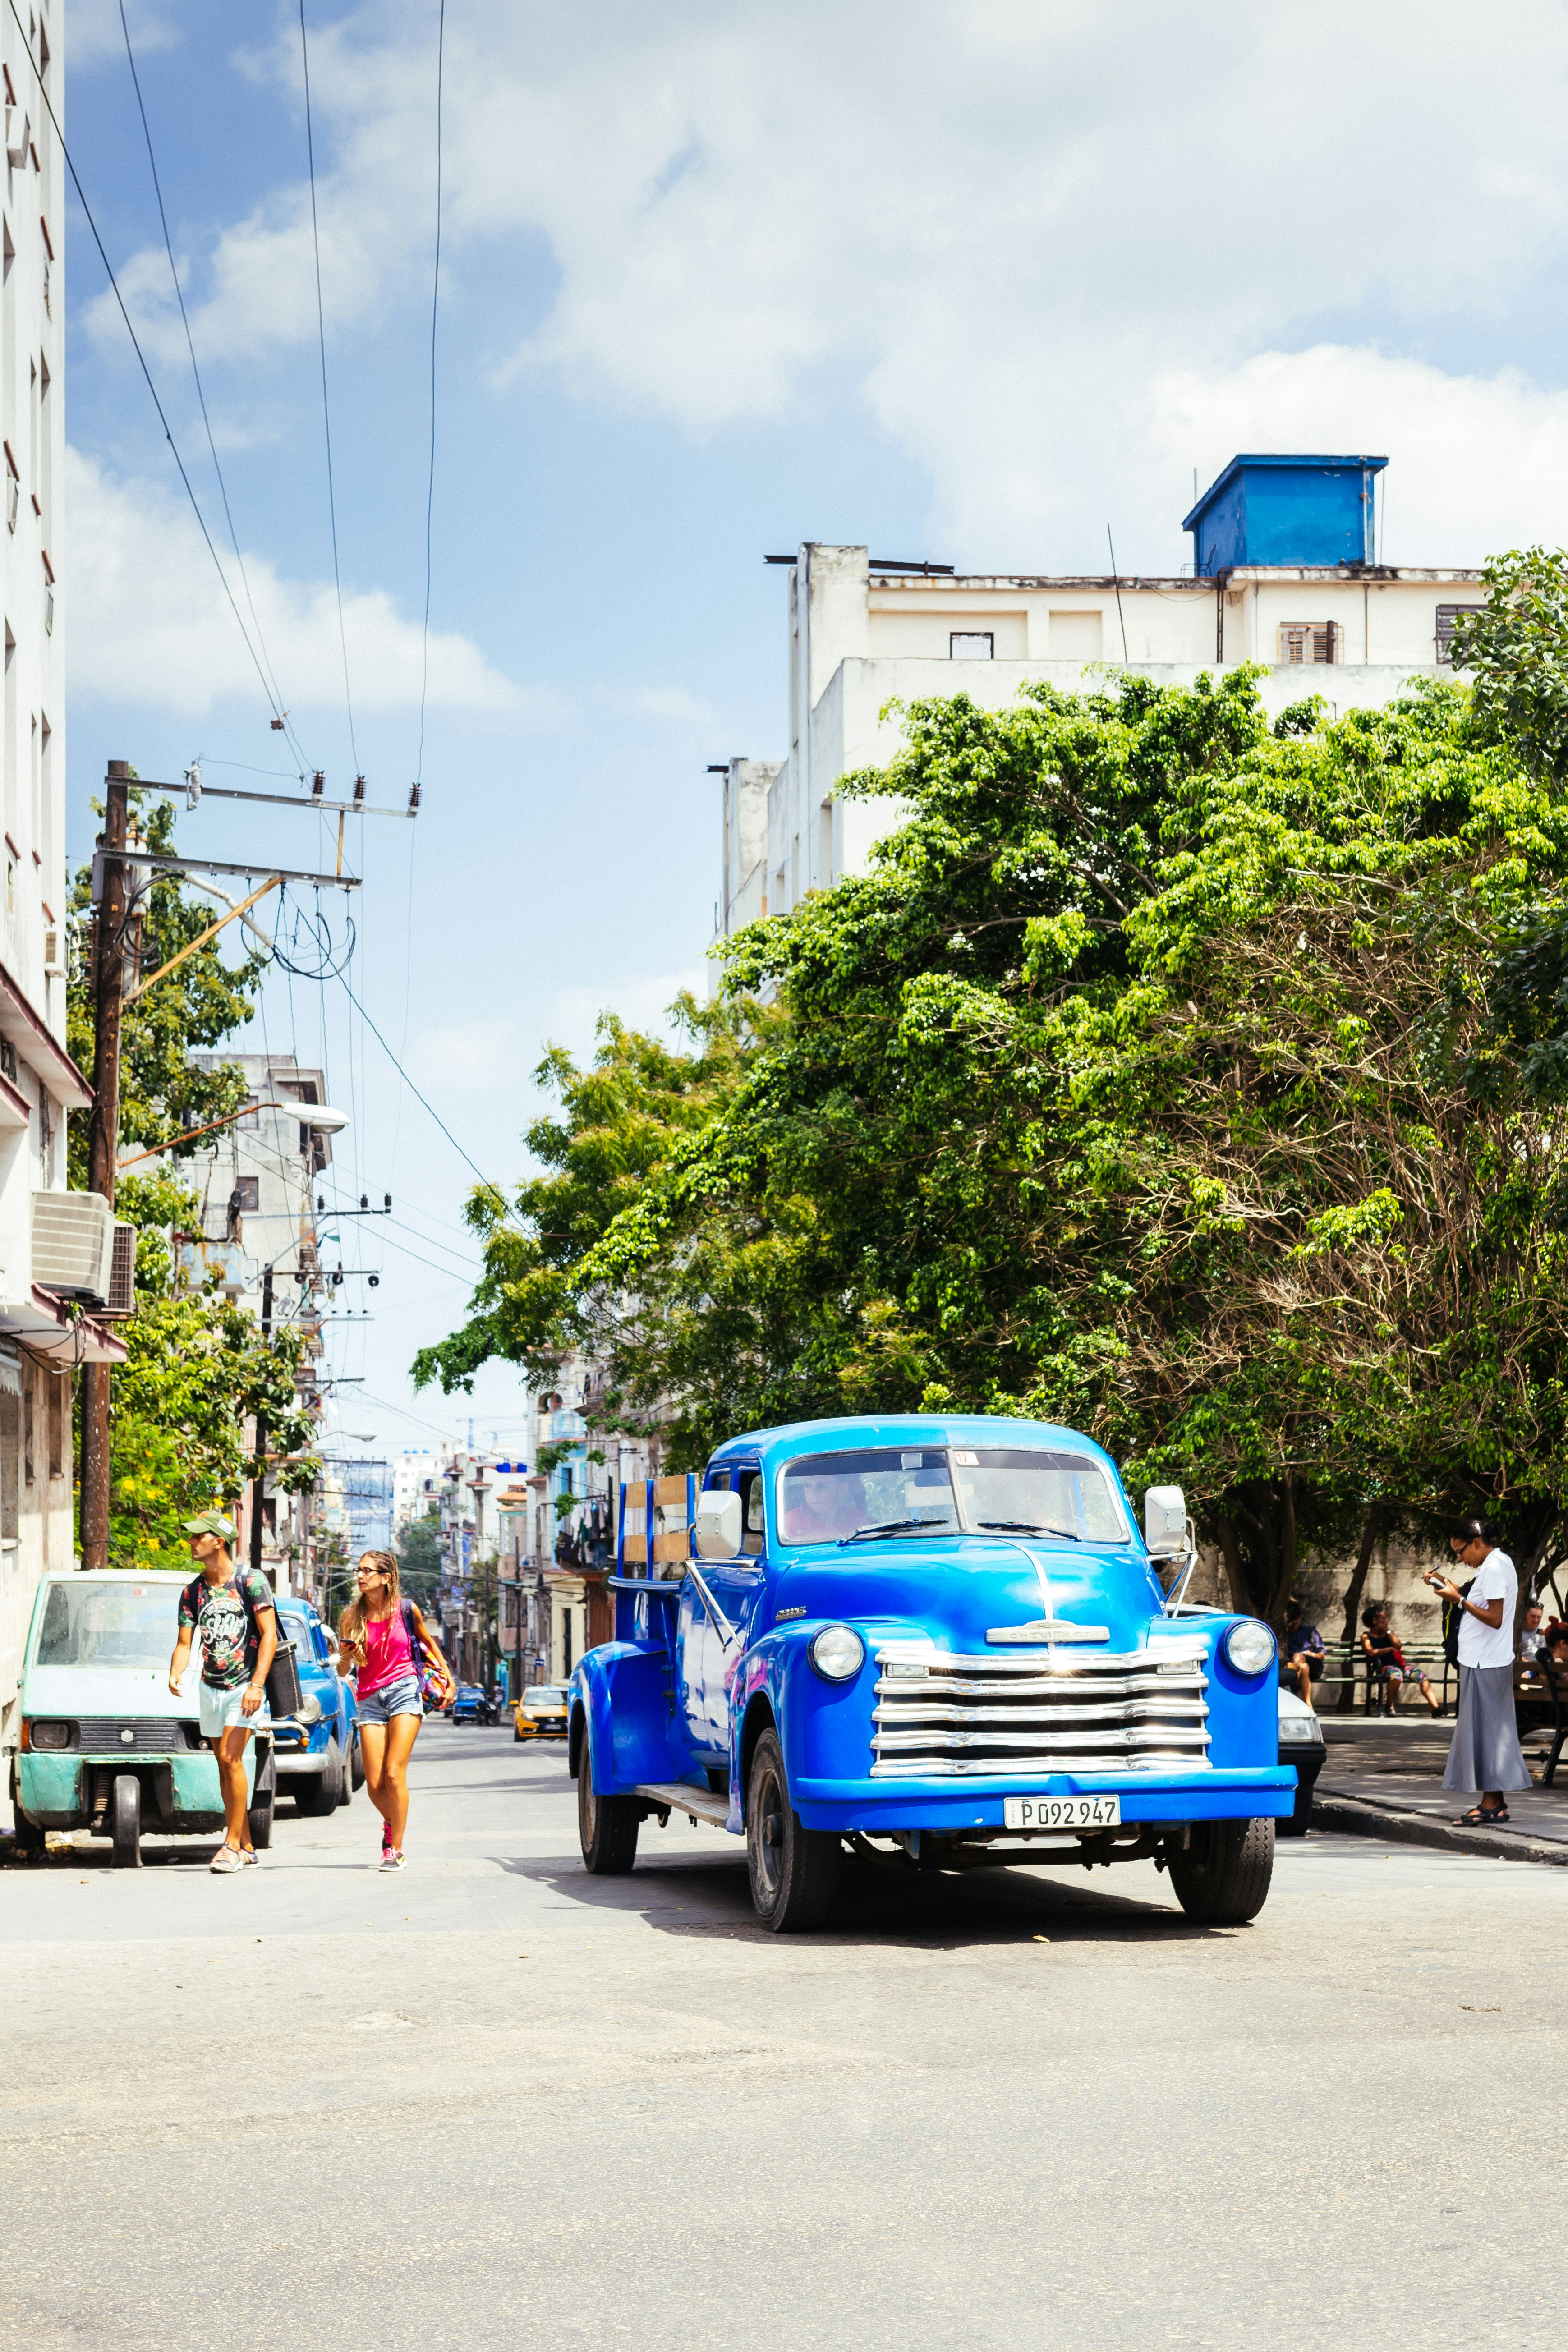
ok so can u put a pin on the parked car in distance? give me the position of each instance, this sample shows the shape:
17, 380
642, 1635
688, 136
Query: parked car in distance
317, 1751
1301, 1744
540, 1713
104, 1745
465, 1705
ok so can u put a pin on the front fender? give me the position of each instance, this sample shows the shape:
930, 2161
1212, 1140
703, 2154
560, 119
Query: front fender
824, 1727
625, 1698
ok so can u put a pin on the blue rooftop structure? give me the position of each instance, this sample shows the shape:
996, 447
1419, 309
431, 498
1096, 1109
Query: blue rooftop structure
1286, 510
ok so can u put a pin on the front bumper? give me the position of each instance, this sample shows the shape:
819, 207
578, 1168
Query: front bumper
181, 1792
1214, 1793
547, 1729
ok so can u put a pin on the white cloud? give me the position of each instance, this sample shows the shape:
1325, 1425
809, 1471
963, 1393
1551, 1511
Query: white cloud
150, 624
464, 1056
573, 1016
1064, 253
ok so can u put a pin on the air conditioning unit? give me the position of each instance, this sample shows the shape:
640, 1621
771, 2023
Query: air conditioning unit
73, 1245
121, 1300
54, 957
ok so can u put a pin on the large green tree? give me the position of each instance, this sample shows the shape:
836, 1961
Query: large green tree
1137, 1085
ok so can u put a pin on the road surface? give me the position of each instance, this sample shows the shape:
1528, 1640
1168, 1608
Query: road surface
496, 2103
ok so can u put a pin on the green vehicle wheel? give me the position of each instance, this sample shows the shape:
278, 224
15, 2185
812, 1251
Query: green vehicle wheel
125, 1821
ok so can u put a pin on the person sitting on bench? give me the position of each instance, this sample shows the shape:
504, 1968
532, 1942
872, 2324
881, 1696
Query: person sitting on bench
1386, 1660
1302, 1653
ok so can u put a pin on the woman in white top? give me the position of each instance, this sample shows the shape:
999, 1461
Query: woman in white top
1486, 1753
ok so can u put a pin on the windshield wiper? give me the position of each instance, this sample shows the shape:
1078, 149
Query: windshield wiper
893, 1527
1024, 1527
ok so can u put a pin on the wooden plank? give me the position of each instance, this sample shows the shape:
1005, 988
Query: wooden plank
676, 1545
635, 1547
670, 1490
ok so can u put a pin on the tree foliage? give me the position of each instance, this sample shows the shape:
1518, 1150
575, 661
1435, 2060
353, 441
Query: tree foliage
1152, 1081
197, 1366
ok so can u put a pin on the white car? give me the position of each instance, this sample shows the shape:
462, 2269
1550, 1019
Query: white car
1301, 1744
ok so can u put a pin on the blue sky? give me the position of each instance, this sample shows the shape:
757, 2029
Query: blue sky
959, 281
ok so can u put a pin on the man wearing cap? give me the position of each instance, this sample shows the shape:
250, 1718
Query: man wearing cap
233, 1613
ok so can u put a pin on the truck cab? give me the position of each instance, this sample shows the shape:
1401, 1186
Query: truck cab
942, 1639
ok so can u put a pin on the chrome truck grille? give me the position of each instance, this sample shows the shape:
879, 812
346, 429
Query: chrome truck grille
940, 1715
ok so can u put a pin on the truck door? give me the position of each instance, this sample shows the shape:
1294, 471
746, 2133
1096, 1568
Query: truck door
709, 1662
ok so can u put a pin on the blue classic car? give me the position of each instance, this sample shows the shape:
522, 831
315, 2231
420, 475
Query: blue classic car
939, 1637
317, 1750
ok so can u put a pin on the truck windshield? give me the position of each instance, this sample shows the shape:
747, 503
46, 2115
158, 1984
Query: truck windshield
827, 1498
109, 1624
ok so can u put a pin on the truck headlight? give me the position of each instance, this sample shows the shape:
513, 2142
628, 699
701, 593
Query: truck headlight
1249, 1646
49, 1735
838, 1653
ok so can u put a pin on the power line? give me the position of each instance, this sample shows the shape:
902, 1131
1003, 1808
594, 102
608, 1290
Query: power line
326, 412
142, 359
201, 395
412, 1089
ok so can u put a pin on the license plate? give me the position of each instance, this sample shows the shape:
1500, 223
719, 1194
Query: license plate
1061, 1812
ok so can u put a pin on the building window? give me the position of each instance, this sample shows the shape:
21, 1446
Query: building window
1447, 616
972, 644
57, 1394
1312, 641
246, 1197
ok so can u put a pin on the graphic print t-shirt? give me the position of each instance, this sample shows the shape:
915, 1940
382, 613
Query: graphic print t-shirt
224, 1627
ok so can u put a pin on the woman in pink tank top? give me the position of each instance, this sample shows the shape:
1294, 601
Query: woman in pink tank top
387, 1645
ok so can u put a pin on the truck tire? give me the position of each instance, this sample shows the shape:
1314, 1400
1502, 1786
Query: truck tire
1222, 1879
346, 1774
125, 1821
357, 1773
793, 1871
262, 1795
29, 1835
606, 1826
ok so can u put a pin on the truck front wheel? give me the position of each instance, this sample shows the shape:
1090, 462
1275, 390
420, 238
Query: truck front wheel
793, 1871
606, 1826
1222, 1877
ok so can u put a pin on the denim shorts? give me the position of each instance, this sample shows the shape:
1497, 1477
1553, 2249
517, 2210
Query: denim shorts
400, 1697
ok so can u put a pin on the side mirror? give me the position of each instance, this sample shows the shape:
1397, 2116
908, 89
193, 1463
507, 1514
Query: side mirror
1166, 1522
717, 1533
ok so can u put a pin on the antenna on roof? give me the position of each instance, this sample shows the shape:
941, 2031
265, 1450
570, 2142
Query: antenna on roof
1117, 581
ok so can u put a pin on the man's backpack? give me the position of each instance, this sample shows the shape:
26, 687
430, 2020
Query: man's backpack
284, 1696
1453, 1616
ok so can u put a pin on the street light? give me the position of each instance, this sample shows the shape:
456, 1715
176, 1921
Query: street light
319, 1116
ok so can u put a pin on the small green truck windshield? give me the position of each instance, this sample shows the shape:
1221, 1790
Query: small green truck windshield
110, 1624
827, 1498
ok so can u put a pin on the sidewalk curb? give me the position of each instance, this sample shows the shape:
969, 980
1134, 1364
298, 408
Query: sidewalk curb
1351, 1815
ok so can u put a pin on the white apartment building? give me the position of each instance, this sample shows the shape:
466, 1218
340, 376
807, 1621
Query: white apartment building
1283, 576
50, 1255
416, 1475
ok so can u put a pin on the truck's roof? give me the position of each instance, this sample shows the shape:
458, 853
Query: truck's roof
904, 1429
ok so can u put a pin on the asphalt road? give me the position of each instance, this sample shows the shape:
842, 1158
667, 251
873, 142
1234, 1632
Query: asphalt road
493, 2102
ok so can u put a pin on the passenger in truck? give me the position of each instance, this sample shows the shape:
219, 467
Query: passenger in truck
823, 1510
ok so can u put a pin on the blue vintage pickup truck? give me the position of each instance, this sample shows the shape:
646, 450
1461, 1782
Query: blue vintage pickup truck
941, 1637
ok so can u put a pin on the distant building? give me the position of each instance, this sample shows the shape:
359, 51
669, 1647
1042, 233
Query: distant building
1284, 574
414, 1473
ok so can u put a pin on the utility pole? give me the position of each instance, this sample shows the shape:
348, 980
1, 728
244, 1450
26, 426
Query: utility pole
258, 1484
103, 1139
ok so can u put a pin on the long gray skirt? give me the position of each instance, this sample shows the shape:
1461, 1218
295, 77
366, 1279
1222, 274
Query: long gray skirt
1486, 1752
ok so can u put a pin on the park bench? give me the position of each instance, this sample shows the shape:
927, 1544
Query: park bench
1346, 1665
1540, 1703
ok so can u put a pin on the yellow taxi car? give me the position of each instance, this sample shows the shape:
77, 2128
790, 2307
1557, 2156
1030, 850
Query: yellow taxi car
540, 1713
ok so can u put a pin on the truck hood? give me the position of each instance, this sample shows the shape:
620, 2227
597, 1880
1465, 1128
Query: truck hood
960, 1591
125, 1691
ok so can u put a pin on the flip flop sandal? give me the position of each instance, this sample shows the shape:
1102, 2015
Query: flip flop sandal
1481, 1817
